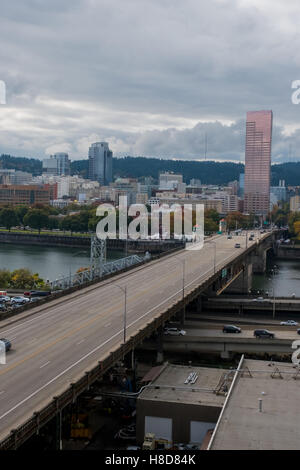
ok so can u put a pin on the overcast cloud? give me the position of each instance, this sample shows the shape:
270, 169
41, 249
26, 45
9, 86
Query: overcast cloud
151, 77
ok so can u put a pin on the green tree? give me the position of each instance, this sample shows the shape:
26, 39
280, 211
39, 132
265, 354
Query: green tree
36, 218
21, 211
8, 218
24, 279
5, 278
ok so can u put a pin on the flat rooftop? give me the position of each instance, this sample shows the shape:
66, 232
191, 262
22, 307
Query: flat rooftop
277, 427
169, 386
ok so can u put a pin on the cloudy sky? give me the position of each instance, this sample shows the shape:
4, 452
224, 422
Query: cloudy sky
151, 77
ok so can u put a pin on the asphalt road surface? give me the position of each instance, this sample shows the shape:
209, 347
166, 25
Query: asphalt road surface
68, 336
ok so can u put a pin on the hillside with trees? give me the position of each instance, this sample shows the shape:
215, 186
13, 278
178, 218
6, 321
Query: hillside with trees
209, 172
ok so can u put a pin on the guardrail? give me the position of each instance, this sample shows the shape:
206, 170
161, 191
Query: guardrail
90, 274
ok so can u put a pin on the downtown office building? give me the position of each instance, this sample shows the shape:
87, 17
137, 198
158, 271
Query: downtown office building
100, 163
258, 162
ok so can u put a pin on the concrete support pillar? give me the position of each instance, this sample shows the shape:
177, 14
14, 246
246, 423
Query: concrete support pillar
226, 355
242, 284
259, 260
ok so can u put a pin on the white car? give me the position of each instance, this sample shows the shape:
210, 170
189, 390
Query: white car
174, 332
289, 323
18, 299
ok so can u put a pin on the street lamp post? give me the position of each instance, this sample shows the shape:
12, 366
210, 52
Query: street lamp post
124, 290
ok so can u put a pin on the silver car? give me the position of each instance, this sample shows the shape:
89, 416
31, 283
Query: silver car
174, 332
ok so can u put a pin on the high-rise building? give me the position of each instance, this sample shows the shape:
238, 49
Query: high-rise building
258, 162
100, 163
57, 165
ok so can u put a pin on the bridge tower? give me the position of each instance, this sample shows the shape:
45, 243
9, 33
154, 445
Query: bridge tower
98, 255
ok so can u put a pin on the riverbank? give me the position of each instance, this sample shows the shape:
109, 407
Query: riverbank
84, 240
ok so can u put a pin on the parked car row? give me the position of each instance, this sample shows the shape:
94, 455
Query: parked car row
7, 301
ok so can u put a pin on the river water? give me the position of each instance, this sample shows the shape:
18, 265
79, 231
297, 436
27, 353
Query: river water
285, 278
49, 262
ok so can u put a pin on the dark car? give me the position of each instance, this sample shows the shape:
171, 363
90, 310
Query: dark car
39, 293
231, 329
7, 343
298, 331
263, 334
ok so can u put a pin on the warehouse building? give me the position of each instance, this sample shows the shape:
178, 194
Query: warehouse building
181, 403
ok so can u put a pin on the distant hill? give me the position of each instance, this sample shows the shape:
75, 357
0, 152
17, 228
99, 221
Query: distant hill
30, 165
209, 172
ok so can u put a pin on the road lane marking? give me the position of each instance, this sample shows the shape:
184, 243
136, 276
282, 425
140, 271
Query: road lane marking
107, 325
79, 342
44, 365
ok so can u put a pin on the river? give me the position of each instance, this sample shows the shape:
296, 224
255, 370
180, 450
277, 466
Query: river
285, 278
49, 262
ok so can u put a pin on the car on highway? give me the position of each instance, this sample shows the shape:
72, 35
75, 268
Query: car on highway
298, 331
7, 344
37, 293
4, 298
229, 237
174, 332
263, 334
259, 299
231, 329
18, 299
289, 323
237, 245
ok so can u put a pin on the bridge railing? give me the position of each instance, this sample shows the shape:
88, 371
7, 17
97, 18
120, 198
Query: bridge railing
91, 273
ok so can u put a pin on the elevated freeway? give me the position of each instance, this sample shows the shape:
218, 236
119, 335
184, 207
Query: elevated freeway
208, 337
60, 348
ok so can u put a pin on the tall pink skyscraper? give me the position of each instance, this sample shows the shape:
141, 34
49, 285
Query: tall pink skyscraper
258, 162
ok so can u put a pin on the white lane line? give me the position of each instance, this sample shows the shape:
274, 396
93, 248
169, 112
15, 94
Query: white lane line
107, 325
79, 342
3, 391
44, 365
